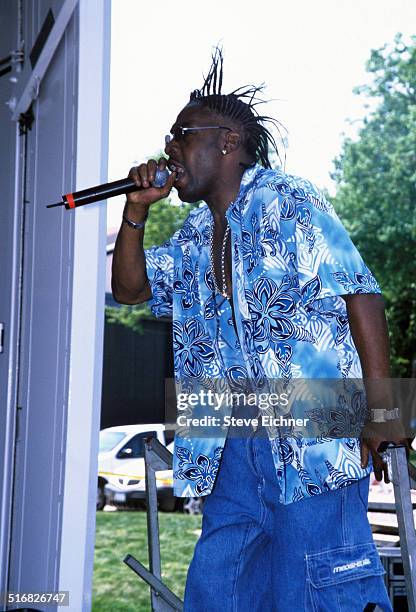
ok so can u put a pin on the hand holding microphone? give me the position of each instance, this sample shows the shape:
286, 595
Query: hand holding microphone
153, 182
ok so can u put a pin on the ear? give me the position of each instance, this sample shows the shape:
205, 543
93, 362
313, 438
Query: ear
232, 141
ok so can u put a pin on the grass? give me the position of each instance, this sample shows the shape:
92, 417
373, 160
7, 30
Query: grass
116, 588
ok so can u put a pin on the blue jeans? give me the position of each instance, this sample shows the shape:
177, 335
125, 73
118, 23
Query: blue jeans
254, 553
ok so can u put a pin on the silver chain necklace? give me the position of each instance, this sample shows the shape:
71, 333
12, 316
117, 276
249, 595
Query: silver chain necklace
223, 292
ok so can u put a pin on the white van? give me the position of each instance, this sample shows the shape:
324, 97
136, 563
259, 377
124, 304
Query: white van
121, 471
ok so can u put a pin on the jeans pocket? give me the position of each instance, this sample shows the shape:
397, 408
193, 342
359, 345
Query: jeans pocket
345, 579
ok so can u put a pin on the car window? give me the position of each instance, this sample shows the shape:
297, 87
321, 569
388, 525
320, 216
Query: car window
110, 439
136, 446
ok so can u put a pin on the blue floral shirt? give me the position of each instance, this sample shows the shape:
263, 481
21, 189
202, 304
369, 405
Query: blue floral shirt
291, 261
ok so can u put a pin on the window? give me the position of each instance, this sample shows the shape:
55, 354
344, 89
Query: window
110, 439
134, 448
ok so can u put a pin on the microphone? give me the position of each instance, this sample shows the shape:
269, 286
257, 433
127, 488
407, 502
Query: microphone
107, 190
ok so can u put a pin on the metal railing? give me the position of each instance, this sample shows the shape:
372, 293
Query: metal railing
398, 470
156, 457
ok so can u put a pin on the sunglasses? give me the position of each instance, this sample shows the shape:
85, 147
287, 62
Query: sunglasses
179, 132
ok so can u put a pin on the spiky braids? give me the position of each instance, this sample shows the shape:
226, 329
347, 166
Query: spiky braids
239, 106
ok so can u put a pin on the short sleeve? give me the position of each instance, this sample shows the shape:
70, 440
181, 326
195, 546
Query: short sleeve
328, 263
159, 269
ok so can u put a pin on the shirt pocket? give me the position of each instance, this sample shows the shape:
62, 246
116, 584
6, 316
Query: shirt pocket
345, 579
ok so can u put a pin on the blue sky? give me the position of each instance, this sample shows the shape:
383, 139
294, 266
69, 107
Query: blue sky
309, 54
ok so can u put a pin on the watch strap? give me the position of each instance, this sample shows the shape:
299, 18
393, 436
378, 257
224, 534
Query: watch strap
134, 225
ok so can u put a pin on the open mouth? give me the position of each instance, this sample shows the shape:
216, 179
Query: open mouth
180, 171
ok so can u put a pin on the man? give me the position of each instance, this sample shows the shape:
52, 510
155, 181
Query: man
264, 285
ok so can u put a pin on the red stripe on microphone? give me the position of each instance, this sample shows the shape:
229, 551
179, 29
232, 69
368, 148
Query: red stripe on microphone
70, 199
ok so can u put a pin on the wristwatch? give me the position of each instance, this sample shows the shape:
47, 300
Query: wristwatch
133, 224
382, 415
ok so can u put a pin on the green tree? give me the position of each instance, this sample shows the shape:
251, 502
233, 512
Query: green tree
164, 219
376, 190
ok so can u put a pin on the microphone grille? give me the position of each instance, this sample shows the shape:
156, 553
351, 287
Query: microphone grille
160, 178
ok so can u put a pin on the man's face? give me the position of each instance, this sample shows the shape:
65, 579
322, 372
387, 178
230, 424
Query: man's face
196, 155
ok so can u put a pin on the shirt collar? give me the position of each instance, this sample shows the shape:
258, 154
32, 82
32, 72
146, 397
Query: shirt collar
249, 175
246, 180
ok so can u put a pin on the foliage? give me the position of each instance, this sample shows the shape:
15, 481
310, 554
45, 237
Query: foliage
164, 219
376, 190
130, 316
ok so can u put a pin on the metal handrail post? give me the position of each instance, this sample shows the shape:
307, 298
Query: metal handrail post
404, 509
152, 521
156, 457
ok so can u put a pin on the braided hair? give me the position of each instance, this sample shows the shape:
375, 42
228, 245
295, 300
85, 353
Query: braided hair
240, 107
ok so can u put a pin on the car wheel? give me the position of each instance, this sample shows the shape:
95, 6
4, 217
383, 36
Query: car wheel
193, 505
168, 504
101, 501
